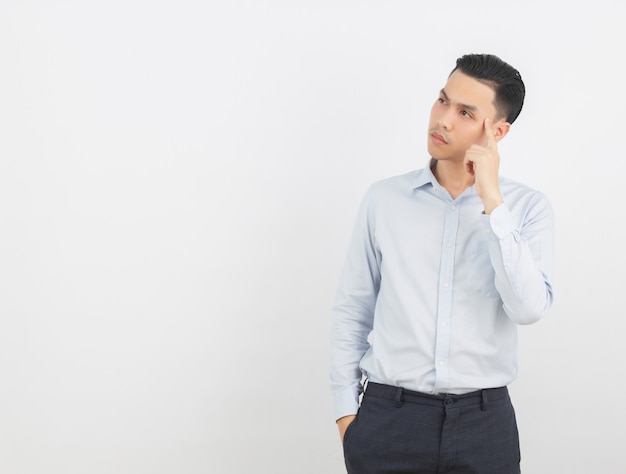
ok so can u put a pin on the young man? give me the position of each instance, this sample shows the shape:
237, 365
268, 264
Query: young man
444, 263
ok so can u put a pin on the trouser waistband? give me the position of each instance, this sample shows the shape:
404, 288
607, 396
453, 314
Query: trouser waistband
401, 395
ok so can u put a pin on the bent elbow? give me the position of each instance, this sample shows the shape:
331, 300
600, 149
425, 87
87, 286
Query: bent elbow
526, 313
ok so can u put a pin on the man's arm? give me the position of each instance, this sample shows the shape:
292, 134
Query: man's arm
353, 313
521, 257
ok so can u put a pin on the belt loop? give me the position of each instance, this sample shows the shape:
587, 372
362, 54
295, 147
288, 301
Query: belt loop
483, 401
399, 397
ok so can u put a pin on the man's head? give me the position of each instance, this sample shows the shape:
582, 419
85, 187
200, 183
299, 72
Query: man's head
480, 86
504, 79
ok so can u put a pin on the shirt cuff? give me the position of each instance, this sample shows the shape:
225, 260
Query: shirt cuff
346, 402
499, 223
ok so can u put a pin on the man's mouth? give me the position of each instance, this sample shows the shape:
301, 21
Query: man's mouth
438, 139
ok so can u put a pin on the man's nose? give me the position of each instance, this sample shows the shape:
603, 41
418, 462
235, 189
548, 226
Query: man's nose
445, 120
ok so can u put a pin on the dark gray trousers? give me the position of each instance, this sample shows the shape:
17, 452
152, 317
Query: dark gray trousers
399, 431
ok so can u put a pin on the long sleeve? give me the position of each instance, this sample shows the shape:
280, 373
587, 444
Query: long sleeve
521, 252
353, 312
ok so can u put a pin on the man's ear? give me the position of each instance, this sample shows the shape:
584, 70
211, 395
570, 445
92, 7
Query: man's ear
502, 127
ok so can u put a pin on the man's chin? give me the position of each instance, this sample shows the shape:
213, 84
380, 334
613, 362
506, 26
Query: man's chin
435, 153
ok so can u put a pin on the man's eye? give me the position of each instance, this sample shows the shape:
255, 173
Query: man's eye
441, 101
465, 113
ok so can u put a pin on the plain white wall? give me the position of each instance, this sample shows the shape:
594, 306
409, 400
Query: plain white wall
178, 182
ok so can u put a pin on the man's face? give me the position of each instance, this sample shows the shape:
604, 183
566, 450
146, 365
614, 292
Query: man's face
458, 115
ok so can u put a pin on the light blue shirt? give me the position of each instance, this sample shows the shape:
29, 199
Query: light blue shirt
433, 289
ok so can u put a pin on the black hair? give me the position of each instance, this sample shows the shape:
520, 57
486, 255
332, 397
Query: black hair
504, 79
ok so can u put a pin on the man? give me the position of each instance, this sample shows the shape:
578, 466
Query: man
444, 263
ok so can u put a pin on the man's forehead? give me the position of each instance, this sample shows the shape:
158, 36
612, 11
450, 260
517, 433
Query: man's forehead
463, 89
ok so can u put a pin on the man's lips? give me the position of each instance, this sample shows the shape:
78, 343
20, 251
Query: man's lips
438, 139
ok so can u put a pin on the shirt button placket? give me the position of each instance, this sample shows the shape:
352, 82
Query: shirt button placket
444, 311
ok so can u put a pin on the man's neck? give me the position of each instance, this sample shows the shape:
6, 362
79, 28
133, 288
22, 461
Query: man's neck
452, 176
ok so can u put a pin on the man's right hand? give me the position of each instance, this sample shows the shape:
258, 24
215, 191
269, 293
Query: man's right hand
343, 423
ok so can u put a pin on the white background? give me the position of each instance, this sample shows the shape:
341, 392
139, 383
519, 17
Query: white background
178, 182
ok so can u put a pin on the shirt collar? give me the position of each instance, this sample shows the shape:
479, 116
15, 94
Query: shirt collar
425, 176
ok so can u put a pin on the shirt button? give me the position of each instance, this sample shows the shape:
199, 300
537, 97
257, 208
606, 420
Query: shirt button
449, 245
446, 285
453, 207
441, 362
444, 324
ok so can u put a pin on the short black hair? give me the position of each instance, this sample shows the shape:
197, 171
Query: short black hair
504, 79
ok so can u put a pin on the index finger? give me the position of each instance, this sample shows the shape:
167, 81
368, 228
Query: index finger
490, 132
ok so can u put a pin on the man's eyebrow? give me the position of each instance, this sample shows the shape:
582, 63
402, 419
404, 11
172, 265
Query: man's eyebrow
473, 108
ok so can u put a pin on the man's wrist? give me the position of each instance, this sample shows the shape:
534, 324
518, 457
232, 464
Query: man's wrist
491, 203
345, 419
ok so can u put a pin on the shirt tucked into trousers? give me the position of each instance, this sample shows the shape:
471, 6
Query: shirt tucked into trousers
398, 431
429, 300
